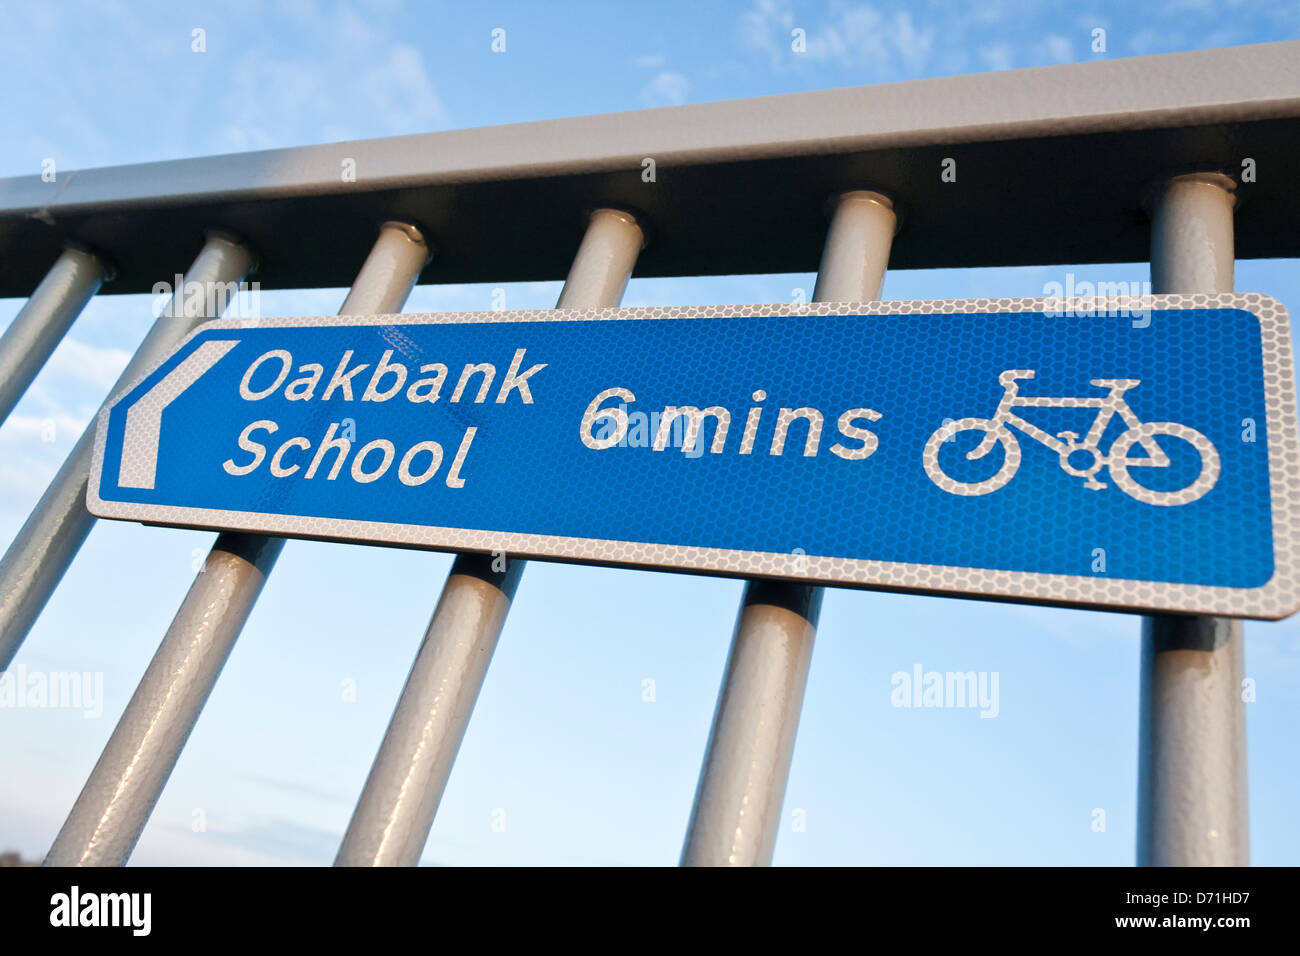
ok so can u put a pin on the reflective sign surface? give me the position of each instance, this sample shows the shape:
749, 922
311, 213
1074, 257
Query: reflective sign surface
1139, 454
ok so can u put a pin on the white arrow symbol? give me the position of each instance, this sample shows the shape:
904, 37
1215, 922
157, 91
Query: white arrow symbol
144, 419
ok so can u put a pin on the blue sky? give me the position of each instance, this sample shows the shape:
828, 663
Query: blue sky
562, 744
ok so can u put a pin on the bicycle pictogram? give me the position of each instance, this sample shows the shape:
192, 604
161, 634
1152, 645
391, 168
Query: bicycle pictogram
1080, 458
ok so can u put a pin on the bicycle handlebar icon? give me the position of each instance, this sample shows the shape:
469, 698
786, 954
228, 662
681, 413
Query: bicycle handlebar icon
1147, 435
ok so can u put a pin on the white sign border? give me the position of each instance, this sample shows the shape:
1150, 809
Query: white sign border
1276, 599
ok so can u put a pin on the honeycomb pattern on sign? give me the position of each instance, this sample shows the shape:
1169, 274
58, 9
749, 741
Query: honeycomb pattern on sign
1278, 597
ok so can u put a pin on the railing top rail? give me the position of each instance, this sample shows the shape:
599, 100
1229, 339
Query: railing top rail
503, 203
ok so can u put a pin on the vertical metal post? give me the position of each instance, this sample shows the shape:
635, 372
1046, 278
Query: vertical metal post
742, 782
115, 804
32, 336
1192, 796
49, 540
391, 822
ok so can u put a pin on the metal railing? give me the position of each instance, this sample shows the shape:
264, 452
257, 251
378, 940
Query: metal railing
1087, 163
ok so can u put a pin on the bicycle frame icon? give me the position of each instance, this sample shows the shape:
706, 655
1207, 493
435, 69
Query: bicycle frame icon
1081, 458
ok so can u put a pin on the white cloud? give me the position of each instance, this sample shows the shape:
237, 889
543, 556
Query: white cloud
91, 365
913, 45
401, 93
853, 37
20, 430
289, 74
1180, 7
766, 29
39, 434
352, 81
1151, 41
666, 89
1057, 49
997, 56
31, 450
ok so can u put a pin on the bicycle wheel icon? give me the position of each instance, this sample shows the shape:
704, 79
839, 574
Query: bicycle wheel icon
990, 434
1160, 434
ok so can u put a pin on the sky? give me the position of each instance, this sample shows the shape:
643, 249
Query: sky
565, 760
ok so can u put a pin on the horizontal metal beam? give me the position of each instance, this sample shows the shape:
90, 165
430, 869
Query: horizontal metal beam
1051, 166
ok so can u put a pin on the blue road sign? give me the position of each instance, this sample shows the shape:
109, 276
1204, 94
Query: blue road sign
1139, 455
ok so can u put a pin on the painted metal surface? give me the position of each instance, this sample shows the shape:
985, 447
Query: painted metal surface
391, 822
50, 538
42, 322
1193, 808
1049, 127
117, 799
395, 812
1136, 119
737, 810
120, 793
